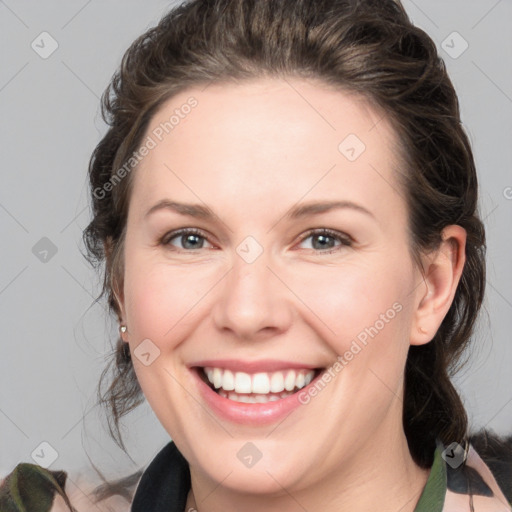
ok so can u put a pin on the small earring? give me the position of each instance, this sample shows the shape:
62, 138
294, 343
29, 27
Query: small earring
123, 328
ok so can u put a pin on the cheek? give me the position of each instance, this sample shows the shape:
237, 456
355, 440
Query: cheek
162, 300
352, 299
365, 320
162, 305
363, 313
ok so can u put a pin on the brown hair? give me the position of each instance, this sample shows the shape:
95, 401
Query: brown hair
368, 47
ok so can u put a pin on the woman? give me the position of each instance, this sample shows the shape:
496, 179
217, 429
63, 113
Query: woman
286, 205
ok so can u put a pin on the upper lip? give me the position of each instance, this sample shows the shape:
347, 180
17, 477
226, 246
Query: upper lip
262, 365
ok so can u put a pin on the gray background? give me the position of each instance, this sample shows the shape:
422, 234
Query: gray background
54, 339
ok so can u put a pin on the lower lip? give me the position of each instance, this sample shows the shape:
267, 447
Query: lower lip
244, 413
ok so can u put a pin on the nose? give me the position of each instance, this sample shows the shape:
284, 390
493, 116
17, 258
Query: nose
252, 302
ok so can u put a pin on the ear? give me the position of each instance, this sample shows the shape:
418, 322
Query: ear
115, 283
442, 270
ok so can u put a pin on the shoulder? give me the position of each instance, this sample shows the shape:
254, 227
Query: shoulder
484, 482
31, 487
496, 453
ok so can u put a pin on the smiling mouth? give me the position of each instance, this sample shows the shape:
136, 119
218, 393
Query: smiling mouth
259, 387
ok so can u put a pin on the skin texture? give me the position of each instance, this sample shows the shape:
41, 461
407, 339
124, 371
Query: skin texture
250, 152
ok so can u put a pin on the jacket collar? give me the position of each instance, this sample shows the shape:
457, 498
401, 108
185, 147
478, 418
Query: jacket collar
164, 485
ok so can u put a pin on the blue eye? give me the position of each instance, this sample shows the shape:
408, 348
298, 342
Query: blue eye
186, 239
325, 240
320, 240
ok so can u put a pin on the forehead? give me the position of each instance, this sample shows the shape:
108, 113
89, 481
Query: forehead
233, 143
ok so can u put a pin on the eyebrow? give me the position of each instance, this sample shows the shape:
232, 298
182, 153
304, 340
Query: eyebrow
303, 210
192, 210
315, 208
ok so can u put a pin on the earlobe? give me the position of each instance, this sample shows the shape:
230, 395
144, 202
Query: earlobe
122, 331
123, 328
115, 286
441, 275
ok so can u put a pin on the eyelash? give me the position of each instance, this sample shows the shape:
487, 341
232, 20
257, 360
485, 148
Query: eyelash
345, 240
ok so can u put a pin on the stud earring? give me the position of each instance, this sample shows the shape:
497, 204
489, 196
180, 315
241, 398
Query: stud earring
123, 328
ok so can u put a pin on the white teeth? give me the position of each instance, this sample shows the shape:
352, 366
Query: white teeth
277, 382
259, 383
253, 399
228, 381
289, 381
221, 379
242, 383
217, 377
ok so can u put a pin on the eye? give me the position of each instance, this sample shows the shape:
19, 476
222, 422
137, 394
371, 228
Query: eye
318, 240
186, 239
325, 240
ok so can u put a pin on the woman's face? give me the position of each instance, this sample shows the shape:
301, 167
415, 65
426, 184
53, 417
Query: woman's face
267, 239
